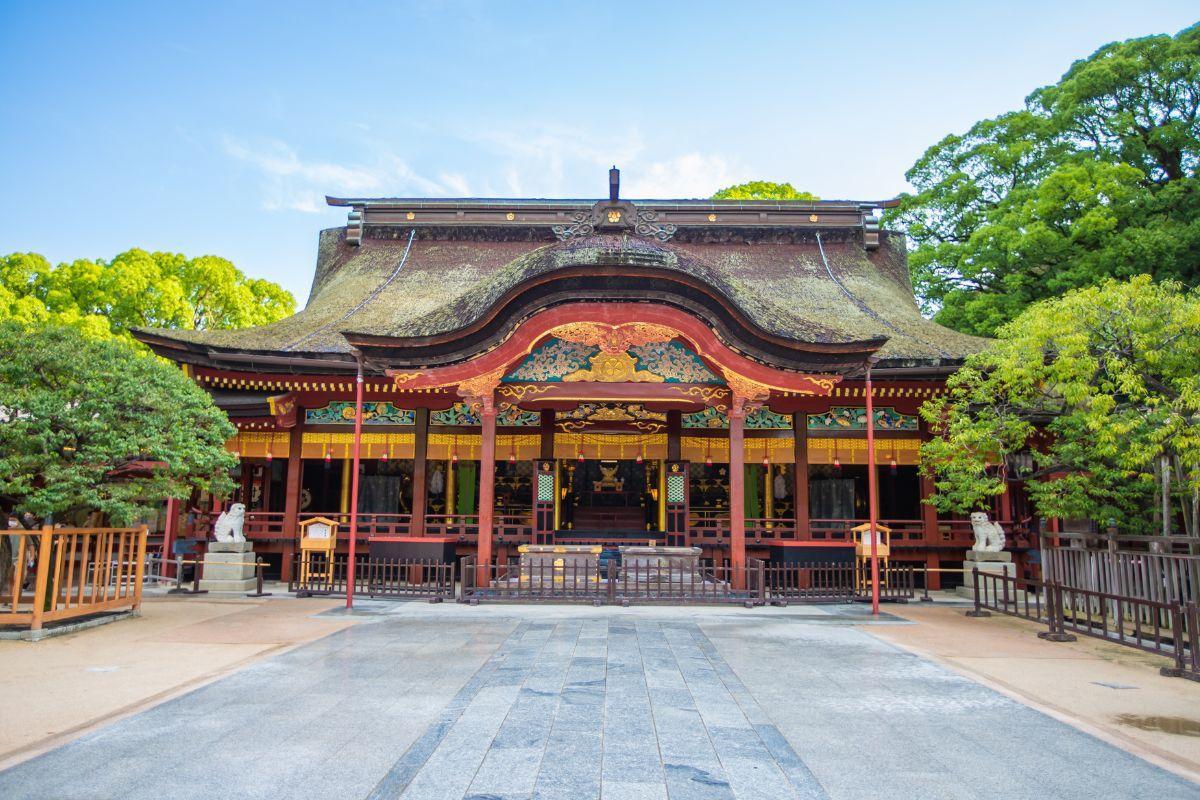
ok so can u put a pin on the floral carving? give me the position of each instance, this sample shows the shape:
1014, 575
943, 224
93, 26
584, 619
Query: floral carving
674, 362
552, 361
854, 418
341, 412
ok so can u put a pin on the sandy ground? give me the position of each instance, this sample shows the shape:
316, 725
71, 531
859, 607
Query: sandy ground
57, 688
1066, 680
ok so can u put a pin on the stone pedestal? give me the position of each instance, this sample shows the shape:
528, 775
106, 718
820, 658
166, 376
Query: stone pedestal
228, 567
660, 565
988, 564
559, 564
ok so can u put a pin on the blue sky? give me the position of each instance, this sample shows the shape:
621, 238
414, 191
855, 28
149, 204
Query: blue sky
216, 127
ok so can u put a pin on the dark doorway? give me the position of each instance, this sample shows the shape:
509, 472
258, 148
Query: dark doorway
608, 495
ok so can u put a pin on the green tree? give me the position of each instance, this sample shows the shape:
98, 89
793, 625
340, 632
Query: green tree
137, 289
1094, 178
1097, 387
763, 190
74, 409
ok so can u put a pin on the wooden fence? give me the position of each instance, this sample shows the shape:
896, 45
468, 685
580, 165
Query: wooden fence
1137, 598
317, 573
67, 573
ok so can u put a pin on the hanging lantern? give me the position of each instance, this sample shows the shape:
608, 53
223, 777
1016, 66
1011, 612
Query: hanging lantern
837, 462
893, 467
387, 449
581, 454
639, 458
454, 456
270, 456
328, 457
512, 457
766, 461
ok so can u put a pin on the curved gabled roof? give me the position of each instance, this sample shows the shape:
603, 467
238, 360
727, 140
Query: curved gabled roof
805, 287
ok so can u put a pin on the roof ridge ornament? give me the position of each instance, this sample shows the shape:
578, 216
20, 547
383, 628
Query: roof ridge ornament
615, 216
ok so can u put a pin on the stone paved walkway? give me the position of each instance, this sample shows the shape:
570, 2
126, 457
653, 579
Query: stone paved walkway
455, 703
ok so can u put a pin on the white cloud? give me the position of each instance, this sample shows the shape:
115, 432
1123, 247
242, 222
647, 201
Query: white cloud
543, 161
292, 183
686, 176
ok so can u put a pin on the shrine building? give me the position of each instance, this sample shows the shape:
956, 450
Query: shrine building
570, 371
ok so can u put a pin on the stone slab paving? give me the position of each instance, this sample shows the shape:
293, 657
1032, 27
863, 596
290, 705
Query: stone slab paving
431, 703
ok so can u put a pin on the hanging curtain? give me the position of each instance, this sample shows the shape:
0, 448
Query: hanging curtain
465, 490
831, 498
379, 494
753, 491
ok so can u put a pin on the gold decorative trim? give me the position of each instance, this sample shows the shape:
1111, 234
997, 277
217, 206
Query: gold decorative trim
709, 395
614, 339
613, 368
518, 391
481, 387
744, 387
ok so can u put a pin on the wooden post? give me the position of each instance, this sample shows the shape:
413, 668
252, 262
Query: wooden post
139, 571
546, 444
487, 482
737, 491
43, 577
873, 494
170, 533
933, 580
291, 496
451, 472
356, 455
674, 433
420, 484
662, 496
344, 503
800, 492
768, 492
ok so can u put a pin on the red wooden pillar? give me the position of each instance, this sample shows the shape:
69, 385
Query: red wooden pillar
291, 496
420, 484
800, 490
873, 494
737, 491
351, 560
487, 480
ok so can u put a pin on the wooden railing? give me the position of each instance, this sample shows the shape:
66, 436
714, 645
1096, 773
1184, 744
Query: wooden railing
75, 572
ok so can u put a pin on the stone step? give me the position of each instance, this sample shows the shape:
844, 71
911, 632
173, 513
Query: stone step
228, 586
226, 572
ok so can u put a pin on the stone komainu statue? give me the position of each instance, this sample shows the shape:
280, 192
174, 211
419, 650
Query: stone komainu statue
989, 536
228, 527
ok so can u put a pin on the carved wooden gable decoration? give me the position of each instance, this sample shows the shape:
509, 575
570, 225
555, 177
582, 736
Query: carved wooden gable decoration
608, 360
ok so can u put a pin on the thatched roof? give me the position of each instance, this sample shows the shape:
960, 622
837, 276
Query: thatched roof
804, 286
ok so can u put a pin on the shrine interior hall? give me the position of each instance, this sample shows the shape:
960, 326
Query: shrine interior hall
685, 372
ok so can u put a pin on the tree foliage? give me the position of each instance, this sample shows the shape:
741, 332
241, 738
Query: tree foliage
73, 409
1094, 178
763, 190
137, 289
1097, 386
